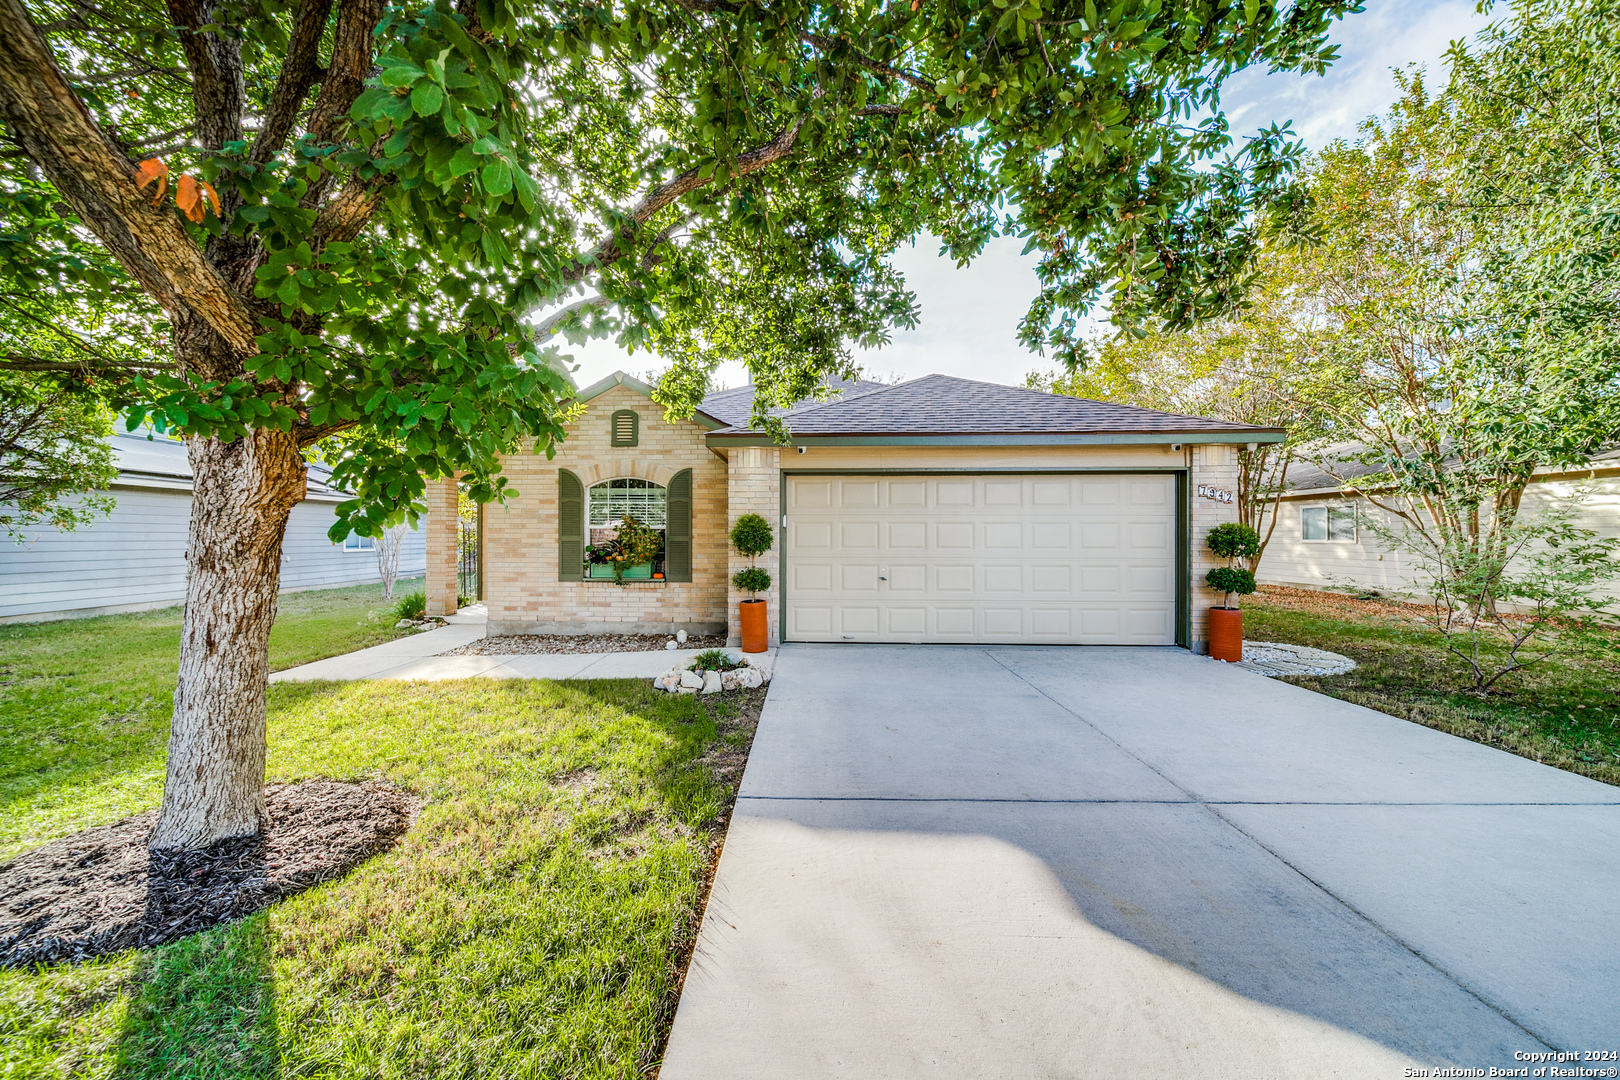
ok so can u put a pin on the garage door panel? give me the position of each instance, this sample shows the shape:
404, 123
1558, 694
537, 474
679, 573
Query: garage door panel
1004, 579
994, 558
908, 535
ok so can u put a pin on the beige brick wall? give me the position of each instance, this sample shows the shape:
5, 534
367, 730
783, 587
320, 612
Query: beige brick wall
756, 488
520, 563
1216, 466
440, 527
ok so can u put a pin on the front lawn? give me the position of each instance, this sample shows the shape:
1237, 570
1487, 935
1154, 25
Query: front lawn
85, 703
1564, 713
531, 924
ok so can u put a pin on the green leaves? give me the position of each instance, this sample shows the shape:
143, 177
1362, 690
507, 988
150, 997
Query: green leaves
426, 98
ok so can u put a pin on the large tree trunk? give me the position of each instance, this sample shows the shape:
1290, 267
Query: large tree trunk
242, 495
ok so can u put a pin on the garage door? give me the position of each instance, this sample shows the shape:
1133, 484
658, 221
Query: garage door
1041, 559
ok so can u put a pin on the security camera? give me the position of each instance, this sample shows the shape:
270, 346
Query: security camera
1175, 446
801, 449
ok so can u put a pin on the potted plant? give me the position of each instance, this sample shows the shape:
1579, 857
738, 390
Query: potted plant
1231, 542
751, 535
634, 548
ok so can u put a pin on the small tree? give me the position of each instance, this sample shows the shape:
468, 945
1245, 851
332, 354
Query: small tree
1528, 599
388, 545
752, 536
1232, 542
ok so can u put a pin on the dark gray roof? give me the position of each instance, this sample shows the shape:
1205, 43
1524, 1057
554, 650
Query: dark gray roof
944, 405
736, 406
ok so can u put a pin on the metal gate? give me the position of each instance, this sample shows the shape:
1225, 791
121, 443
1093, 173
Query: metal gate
470, 556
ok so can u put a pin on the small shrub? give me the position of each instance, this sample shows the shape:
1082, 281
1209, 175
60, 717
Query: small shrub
752, 535
1229, 580
411, 606
713, 660
1234, 541
751, 580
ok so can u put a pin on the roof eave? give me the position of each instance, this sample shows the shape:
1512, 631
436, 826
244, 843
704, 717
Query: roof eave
1099, 438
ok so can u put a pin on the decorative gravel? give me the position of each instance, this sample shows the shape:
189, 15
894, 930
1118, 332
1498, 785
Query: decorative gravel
527, 644
1273, 658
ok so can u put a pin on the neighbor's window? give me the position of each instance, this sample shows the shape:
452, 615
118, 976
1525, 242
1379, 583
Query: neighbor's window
1327, 523
356, 542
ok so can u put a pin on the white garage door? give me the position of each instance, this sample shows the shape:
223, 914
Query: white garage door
1040, 559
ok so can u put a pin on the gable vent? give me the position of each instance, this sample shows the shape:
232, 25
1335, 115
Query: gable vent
625, 423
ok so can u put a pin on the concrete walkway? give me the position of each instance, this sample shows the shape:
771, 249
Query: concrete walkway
1095, 862
418, 657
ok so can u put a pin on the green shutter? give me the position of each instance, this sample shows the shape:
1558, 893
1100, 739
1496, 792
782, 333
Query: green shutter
570, 527
678, 528
625, 428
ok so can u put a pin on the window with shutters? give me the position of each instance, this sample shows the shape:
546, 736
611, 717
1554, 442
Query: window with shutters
607, 505
625, 427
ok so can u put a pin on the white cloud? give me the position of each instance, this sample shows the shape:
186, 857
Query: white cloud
970, 317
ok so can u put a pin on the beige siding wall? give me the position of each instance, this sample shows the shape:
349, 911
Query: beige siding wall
1366, 563
520, 563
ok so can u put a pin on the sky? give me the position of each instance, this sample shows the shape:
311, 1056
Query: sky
970, 316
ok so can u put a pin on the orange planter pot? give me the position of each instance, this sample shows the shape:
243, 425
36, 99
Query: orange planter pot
1226, 634
755, 633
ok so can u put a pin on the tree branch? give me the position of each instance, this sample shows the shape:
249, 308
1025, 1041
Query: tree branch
347, 213
548, 329
348, 69
298, 73
217, 89
98, 181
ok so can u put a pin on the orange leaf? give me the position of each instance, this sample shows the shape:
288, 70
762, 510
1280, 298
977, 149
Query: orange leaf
149, 170
188, 198
210, 195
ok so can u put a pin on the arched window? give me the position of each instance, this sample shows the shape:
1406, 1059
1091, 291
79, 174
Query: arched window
588, 521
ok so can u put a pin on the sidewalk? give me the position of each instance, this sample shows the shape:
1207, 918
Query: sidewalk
417, 657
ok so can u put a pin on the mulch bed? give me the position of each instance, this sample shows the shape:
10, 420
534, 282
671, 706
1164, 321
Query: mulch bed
518, 644
102, 891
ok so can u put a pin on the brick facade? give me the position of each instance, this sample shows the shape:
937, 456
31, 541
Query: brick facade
520, 554
755, 488
520, 538
1216, 466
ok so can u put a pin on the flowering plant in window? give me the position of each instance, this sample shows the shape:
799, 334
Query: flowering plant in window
634, 545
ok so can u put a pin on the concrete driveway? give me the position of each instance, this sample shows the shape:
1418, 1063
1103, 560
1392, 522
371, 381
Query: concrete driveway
1101, 862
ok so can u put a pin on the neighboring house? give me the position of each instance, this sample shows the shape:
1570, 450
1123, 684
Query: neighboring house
135, 558
937, 510
1322, 540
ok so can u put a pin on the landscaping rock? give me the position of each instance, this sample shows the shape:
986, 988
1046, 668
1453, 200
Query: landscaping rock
680, 636
1274, 658
731, 680
750, 678
669, 680
711, 682
692, 680
669, 644
404, 623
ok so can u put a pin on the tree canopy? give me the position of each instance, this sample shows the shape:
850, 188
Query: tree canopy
400, 188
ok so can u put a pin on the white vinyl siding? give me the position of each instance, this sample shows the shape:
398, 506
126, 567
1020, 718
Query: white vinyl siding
1039, 558
135, 558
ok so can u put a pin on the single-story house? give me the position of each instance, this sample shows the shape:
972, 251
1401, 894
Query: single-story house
1322, 539
935, 510
134, 559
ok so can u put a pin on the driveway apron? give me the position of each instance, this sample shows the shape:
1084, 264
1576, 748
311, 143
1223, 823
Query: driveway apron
1114, 862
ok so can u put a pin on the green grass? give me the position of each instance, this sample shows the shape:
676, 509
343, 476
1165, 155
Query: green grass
85, 703
531, 923
1564, 713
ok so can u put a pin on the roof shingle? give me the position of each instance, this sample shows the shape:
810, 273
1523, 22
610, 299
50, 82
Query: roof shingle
945, 405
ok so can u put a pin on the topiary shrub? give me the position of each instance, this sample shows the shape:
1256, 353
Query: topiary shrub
1231, 542
1230, 580
751, 580
752, 536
